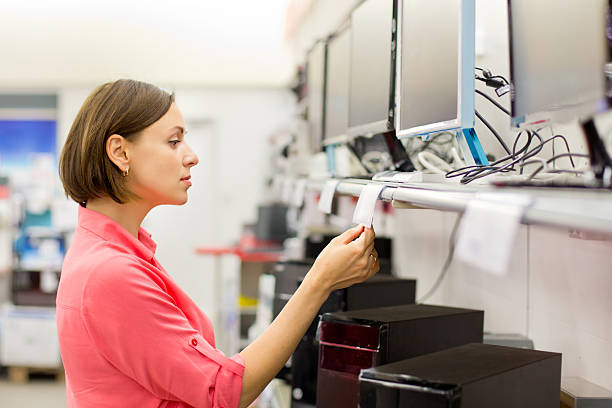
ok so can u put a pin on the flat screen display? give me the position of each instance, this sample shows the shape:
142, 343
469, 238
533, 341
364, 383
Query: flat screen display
370, 89
430, 37
315, 83
337, 88
557, 56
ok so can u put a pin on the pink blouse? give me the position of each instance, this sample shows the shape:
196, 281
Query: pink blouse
129, 336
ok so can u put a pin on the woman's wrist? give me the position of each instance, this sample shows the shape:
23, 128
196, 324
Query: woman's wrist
315, 284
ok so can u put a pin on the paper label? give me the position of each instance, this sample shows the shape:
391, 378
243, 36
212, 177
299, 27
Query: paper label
488, 229
287, 188
277, 185
327, 196
364, 211
297, 198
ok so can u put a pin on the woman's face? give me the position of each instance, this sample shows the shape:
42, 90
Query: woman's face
161, 160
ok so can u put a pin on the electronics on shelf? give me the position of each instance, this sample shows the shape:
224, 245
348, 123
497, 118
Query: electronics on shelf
435, 72
469, 376
354, 340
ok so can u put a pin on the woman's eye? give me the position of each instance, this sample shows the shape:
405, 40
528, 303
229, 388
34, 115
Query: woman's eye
174, 142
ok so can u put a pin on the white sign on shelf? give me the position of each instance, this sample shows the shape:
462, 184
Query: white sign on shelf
364, 211
277, 186
297, 198
287, 188
327, 196
488, 229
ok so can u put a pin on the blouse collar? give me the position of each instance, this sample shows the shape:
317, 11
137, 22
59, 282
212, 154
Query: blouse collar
110, 230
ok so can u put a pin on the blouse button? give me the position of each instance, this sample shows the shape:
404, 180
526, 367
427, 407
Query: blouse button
194, 342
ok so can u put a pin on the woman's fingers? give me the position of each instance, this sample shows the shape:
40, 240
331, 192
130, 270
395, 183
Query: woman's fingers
375, 266
365, 239
371, 267
368, 250
351, 234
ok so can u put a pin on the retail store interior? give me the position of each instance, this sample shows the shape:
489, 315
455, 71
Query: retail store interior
473, 136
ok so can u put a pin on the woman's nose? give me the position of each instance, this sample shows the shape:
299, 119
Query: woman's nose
190, 159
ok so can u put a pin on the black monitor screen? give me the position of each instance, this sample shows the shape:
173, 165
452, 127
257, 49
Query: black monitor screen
337, 89
315, 83
429, 45
370, 90
557, 56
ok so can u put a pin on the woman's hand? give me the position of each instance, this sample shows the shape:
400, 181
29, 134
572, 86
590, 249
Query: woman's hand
348, 259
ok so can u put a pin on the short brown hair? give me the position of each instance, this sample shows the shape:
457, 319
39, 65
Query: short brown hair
124, 107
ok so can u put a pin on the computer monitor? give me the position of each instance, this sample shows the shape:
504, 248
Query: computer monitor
372, 65
557, 56
609, 64
315, 84
337, 86
435, 66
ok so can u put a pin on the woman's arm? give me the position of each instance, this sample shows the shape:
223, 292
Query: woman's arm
349, 258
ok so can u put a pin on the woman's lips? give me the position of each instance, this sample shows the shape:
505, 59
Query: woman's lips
187, 180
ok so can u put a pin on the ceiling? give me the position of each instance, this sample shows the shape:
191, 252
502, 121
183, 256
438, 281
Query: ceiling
238, 43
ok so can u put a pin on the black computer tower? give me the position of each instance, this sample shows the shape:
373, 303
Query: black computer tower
469, 376
287, 275
355, 340
378, 291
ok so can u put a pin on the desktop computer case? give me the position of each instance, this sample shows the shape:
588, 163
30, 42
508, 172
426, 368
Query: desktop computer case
355, 340
469, 376
378, 291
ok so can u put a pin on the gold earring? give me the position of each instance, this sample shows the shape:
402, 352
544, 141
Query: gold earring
126, 172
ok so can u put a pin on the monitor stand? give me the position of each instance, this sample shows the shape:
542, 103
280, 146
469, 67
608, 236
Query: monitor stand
330, 153
601, 164
471, 148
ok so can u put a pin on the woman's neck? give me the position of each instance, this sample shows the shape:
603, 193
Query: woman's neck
128, 215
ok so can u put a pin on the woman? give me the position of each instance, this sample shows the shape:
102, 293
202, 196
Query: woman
129, 336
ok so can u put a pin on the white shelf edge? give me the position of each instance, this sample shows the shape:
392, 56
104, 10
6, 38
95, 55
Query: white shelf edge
575, 209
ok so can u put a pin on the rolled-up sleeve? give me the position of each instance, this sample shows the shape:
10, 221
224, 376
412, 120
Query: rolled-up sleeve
137, 327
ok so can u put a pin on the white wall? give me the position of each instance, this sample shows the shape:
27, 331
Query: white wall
183, 43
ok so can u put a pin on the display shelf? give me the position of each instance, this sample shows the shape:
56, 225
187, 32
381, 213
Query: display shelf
579, 209
244, 254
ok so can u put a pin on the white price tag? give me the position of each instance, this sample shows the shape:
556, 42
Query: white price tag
297, 198
277, 185
488, 229
364, 211
286, 190
327, 196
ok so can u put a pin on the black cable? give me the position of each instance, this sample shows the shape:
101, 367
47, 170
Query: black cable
483, 171
558, 171
566, 146
494, 102
532, 175
524, 148
497, 136
518, 137
467, 169
471, 173
447, 262
488, 75
484, 71
467, 178
502, 78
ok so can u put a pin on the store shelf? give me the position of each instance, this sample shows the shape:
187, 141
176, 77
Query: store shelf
580, 209
244, 254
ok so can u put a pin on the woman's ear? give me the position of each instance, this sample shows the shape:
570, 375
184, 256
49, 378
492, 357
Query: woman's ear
116, 149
